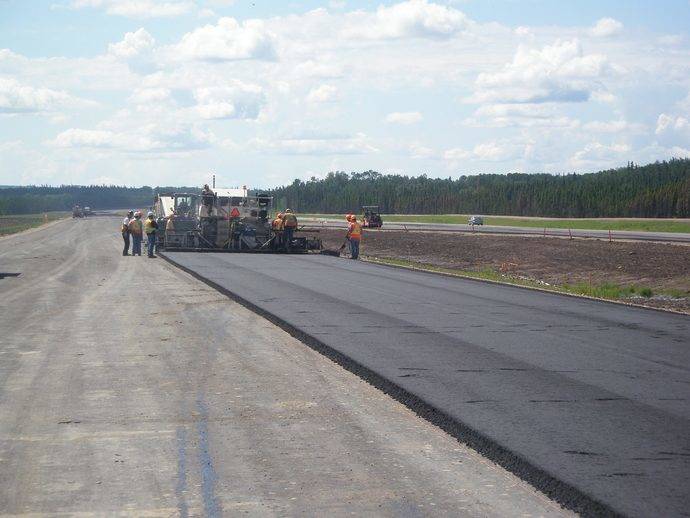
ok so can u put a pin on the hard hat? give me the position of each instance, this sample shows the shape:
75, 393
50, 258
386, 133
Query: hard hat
289, 211
137, 214
349, 217
131, 212
150, 213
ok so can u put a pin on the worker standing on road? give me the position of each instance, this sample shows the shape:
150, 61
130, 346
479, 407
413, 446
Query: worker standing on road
354, 235
277, 227
150, 227
125, 231
289, 227
135, 229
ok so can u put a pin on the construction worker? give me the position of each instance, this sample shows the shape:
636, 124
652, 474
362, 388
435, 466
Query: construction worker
150, 227
207, 197
125, 231
354, 236
277, 227
136, 231
289, 227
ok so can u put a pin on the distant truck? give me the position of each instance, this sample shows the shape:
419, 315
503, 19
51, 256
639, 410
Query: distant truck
372, 216
77, 212
87, 211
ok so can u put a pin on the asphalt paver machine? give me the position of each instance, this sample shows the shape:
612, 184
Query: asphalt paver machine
228, 220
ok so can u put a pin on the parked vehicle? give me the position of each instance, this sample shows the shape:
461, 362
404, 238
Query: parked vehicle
475, 220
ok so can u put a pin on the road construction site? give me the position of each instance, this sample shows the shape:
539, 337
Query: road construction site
129, 388
132, 385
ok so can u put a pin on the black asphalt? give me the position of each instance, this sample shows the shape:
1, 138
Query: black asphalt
587, 400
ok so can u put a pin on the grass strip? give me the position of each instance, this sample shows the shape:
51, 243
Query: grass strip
20, 222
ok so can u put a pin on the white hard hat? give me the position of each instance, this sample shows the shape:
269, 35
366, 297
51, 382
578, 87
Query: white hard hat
150, 213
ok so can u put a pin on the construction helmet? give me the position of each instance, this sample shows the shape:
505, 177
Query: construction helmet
150, 213
289, 211
130, 213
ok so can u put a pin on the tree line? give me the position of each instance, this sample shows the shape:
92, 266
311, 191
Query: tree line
661, 189
36, 199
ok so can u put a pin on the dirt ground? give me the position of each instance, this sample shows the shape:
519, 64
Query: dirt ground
661, 267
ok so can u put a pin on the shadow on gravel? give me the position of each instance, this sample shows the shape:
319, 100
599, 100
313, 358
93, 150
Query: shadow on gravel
3, 275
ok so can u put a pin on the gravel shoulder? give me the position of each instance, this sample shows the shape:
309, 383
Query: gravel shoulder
128, 387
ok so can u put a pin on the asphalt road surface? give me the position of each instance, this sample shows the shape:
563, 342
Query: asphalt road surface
129, 388
672, 237
559, 389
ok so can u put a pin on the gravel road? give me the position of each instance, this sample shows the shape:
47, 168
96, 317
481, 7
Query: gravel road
128, 387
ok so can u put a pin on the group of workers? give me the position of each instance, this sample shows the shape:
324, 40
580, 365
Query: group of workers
284, 226
134, 227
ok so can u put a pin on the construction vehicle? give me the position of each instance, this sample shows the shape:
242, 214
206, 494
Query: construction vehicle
77, 212
372, 216
228, 220
87, 212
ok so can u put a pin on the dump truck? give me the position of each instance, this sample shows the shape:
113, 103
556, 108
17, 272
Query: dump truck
228, 220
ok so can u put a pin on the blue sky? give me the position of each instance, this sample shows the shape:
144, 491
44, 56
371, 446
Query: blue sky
164, 92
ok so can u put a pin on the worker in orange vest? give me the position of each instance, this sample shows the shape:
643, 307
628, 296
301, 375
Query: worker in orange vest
136, 229
277, 227
354, 235
289, 227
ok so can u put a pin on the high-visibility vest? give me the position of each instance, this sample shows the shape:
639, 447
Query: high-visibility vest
354, 231
135, 227
290, 221
277, 224
125, 225
150, 226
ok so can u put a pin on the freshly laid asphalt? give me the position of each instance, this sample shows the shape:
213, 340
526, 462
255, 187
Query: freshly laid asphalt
588, 401
627, 235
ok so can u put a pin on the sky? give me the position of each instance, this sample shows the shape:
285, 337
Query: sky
149, 92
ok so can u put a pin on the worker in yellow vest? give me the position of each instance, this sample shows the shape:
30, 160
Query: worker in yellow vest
354, 236
136, 231
289, 227
277, 227
150, 227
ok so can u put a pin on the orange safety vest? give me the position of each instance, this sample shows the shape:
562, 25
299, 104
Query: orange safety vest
354, 231
290, 221
135, 227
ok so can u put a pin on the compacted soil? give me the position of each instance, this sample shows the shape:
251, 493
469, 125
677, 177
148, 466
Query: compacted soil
664, 268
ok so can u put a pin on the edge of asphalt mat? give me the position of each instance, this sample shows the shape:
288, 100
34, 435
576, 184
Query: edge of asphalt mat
567, 495
506, 283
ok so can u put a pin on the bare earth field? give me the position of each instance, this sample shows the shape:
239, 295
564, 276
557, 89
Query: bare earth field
663, 268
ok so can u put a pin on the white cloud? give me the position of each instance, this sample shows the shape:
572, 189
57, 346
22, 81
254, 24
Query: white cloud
606, 27
236, 100
150, 138
323, 94
667, 123
614, 126
138, 8
412, 18
150, 96
598, 153
556, 73
133, 44
20, 98
404, 118
356, 145
228, 40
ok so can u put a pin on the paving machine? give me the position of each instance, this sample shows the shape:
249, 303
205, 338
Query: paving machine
372, 216
228, 220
